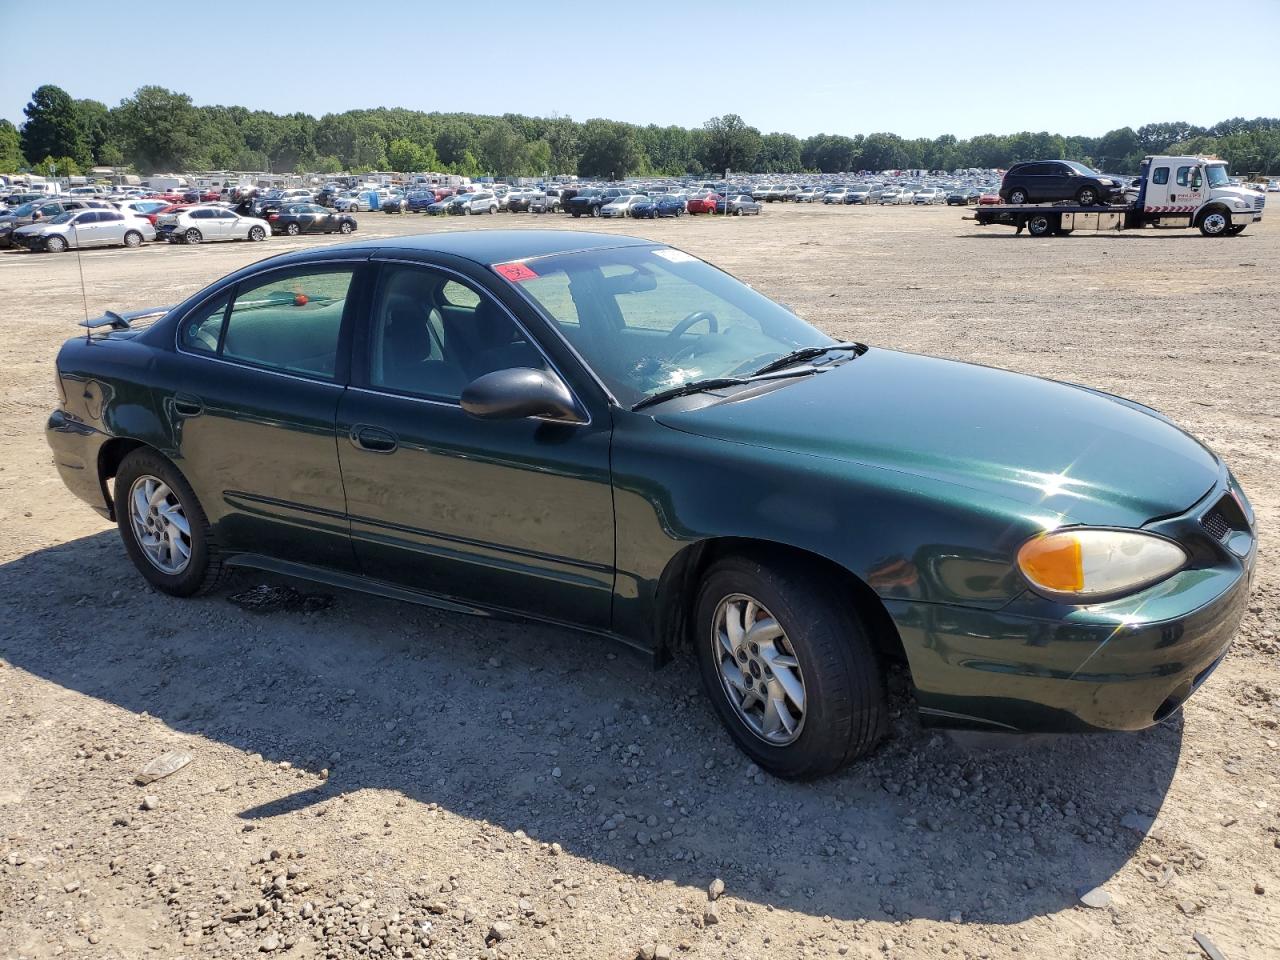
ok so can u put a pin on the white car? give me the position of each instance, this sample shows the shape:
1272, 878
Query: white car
85, 228
141, 208
929, 195
621, 206
892, 195
483, 202
204, 223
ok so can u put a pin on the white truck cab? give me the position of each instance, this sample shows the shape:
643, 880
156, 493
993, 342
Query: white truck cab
1199, 189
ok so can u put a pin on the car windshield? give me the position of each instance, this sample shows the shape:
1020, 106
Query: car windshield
1217, 176
62, 218
650, 318
26, 209
1081, 168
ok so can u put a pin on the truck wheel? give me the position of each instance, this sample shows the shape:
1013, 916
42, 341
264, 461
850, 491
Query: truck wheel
1017, 196
1087, 196
1215, 223
1040, 225
1236, 230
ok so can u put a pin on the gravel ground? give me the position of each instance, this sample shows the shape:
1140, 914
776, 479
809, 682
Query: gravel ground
376, 779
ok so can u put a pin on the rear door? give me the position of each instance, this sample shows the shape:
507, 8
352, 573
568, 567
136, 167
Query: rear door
1159, 185
110, 228
513, 514
251, 402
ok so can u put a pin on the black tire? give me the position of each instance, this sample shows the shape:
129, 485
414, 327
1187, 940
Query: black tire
845, 710
1087, 196
206, 568
292, 229
257, 233
346, 227
56, 244
1018, 196
1215, 222
1040, 225
1062, 232
1235, 230
133, 239
737, 212
192, 235
595, 211
576, 214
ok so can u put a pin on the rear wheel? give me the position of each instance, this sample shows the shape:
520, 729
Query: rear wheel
1040, 225
164, 528
55, 244
1216, 223
1018, 196
292, 229
257, 233
1087, 196
192, 235
790, 671
133, 239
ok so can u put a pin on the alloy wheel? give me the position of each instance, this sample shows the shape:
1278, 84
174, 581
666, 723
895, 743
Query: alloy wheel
1214, 224
759, 669
160, 525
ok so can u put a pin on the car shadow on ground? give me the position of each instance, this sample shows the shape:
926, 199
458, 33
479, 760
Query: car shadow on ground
577, 741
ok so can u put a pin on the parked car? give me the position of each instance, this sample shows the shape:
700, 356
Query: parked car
859, 194
586, 202
417, 201
892, 195
469, 203
296, 218
621, 206
1019, 594
141, 207
738, 205
809, 195
929, 195
393, 203
664, 205
1048, 181
43, 209
205, 223
439, 207
545, 201
78, 229
962, 197
835, 195
704, 203
156, 214
988, 199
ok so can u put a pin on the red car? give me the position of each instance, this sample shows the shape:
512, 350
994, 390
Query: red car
987, 199
161, 211
703, 204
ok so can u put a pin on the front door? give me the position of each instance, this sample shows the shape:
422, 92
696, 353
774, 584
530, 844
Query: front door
251, 403
510, 514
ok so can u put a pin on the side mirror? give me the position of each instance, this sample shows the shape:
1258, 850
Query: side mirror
517, 393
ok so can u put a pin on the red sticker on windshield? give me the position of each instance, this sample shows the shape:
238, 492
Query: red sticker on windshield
515, 272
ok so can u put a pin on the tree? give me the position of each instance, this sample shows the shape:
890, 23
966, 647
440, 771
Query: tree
1118, 150
329, 164
52, 127
729, 144
94, 120
561, 135
10, 148
404, 155
779, 153
369, 153
502, 150
160, 130
453, 140
57, 167
609, 149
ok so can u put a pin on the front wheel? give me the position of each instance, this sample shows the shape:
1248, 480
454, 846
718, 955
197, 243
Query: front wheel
164, 528
55, 244
1216, 223
346, 227
1236, 230
133, 239
595, 211
790, 670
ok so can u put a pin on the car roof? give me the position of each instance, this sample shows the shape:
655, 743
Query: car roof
499, 246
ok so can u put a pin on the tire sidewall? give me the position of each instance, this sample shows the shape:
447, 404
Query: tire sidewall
145, 462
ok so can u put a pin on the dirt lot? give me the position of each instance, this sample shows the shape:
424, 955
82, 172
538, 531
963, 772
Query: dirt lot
371, 778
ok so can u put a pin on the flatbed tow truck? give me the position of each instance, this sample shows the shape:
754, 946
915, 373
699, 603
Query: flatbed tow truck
1173, 192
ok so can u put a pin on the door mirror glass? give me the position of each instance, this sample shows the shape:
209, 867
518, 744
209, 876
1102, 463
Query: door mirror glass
519, 392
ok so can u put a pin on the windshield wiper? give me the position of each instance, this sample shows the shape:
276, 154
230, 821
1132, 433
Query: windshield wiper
693, 386
807, 353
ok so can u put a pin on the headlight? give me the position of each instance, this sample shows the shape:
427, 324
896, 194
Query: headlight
1083, 565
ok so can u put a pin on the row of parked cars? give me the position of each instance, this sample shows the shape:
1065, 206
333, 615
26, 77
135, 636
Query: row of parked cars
57, 224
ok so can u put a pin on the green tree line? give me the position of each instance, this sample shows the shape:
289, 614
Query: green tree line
157, 129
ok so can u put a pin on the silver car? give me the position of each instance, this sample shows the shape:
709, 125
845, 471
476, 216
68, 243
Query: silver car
85, 228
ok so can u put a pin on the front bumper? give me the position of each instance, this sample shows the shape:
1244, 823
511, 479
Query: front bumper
1038, 666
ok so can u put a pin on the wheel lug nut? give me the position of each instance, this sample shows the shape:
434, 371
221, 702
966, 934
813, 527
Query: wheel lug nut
742, 655
755, 650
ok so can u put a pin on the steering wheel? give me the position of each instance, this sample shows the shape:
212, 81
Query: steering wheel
681, 328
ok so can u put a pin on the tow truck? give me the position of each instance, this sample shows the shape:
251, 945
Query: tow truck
1171, 191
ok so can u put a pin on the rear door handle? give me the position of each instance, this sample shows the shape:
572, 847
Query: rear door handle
185, 405
373, 439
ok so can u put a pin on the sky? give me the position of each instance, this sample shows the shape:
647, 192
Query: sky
918, 69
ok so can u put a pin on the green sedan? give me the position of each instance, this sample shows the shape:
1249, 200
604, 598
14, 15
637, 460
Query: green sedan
611, 435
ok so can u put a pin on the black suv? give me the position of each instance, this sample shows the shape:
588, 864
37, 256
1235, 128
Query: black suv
1041, 181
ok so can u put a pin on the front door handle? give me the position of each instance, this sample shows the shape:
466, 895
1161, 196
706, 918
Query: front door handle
373, 439
185, 405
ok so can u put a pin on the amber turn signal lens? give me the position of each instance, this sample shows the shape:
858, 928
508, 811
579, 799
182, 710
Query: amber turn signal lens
1079, 564
1053, 562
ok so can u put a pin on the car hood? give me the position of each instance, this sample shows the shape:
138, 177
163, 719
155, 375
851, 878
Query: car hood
1061, 448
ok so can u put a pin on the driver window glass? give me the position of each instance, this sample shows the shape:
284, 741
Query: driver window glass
431, 335
1161, 176
1182, 176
